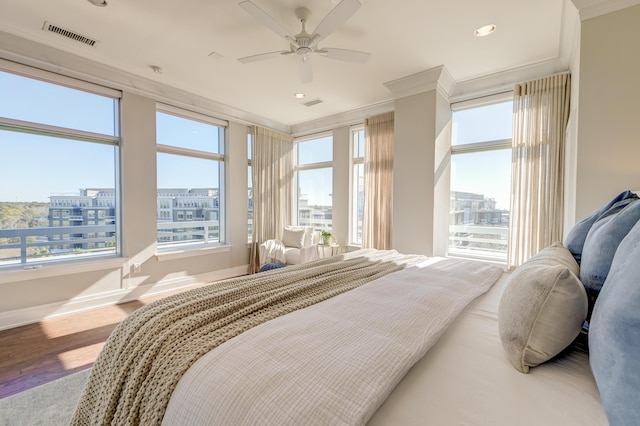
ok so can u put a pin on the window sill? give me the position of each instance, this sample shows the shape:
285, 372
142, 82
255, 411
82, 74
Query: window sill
200, 250
54, 269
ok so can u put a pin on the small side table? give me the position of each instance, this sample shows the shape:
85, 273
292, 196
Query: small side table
326, 250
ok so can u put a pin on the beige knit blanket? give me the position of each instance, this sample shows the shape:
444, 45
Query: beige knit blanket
134, 376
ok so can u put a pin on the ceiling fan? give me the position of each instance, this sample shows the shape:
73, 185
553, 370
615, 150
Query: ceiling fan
304, 44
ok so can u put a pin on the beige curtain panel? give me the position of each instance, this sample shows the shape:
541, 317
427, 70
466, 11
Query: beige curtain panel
378, 182
540, 115
272, 181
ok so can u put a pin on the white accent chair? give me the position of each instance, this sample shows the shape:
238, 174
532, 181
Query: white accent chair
299, 244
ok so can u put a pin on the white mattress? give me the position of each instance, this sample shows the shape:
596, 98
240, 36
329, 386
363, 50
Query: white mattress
466, 379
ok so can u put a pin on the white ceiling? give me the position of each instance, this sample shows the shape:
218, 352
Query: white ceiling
403, 36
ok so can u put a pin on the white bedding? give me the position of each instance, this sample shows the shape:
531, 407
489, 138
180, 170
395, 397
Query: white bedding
331, 363
466, 379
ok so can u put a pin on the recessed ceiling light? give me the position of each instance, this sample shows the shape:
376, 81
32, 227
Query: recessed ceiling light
299, 95
156, 69
485, 30
99, 3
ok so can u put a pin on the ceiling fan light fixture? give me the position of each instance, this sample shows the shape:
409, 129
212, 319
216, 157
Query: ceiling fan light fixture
303, 44
485, 30
303, 51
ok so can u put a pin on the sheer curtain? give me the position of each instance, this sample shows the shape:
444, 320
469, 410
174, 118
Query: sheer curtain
378, 182
540, 115
272, 187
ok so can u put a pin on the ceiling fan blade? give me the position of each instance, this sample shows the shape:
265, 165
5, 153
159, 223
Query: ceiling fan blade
306, 71
344, 54
266, 19
262, 56
338, 16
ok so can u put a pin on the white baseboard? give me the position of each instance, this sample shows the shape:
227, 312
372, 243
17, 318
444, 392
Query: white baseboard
34, 314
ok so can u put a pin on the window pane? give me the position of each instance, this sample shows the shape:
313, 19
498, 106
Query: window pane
314, 197
190, 186
191, 134
188, 199
249, 189
37, 101
480, 194
43, 213
358, 144
315, 151
358, 203
482, 124
250, 205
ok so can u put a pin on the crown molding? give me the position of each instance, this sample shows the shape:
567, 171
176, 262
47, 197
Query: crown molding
588, 9
505, 80
348, 118
437, 78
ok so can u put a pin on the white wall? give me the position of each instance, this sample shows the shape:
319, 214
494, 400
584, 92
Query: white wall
340, 197
608, 132
413, 175
442, 176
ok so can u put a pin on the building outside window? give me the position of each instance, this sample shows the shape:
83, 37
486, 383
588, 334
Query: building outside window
357, 184
480, 181
190, 174
313, 179
50, 126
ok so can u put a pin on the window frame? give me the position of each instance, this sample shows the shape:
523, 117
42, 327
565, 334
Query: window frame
353, 201
477, 147
167, 247
67, 133
309, 166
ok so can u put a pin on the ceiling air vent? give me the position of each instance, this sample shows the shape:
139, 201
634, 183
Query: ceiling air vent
312, 103
68, 34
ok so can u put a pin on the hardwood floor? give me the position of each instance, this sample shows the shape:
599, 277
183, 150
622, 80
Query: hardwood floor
38, 353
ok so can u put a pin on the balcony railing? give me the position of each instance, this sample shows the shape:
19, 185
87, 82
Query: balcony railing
479, 241
188, 231
23, 245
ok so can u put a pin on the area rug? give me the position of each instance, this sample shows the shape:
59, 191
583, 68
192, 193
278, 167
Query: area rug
51, 404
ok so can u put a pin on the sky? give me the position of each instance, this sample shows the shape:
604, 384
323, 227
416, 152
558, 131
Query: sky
54, 165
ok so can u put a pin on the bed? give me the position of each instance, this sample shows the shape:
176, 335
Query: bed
368, 337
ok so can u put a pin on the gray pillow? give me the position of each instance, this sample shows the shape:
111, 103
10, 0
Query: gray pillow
614, 335
602, 242
574, 240
542, 309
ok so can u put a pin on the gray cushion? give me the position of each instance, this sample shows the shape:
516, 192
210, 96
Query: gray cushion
602, 241
614, 336
542, 308
574, 240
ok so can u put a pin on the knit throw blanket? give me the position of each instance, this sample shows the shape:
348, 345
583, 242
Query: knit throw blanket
141, 363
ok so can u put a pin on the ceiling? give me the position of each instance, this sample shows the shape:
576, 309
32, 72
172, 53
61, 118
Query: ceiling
404, 37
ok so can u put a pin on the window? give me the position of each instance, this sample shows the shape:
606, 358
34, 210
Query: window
56, 135
480, 181
314, 181
357, 184
190, 171
250, 187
